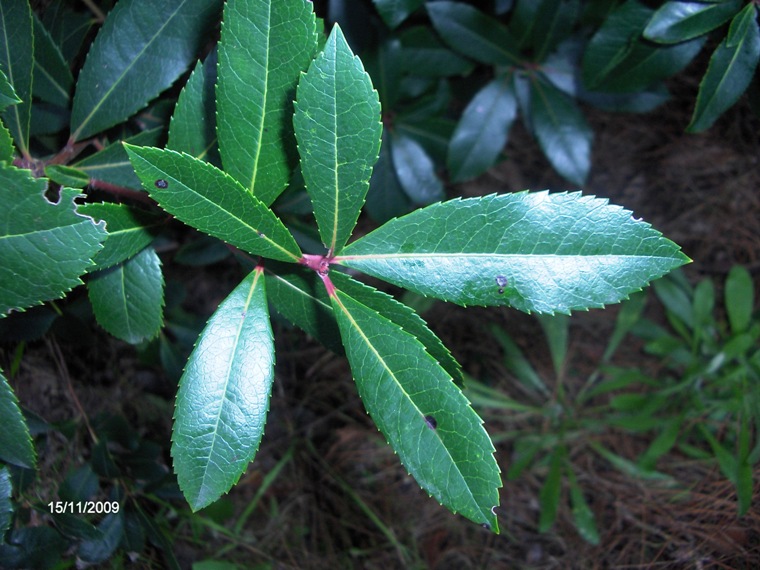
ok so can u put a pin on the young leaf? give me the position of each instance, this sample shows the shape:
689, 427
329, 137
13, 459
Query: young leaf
36, 234
425, 417
15, 442
52, 77
265, 45
16, 32
193, 125
731, 68
469, 31
534, 251
561, 130
415, 170
128, 299
582, 514
224, 395
677, 21
482, 131
206, 198
337, 124
142, 48
393, 12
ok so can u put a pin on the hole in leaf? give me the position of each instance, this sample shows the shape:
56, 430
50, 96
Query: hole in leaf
161, 183
431, 422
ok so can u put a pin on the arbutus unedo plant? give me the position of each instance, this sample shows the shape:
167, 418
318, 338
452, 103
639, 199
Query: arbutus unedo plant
285, 105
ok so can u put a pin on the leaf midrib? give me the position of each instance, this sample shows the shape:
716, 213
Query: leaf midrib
400, 387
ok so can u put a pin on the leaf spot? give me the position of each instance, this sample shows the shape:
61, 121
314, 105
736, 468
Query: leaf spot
161, 183
501, 281
431, 422
486, 526
261, 234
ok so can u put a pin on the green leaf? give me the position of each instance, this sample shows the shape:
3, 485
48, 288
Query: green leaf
561, 130
730, 71
100, 549
337, 124
739, 298
206, 198
52, 77
6, 145
677, 21
37, 234
423, 54
516, 362
112, 163
7, 94
548, 497
68, 27
474, 34
582, 514
425, 417
613, 41
265, 46
15, 442
386, 199
534, 251
393, 12
403, 316
67, 176
544, 24
415, 170
6, 504
555, 329
142, 48
482, 131
193, 124
224, 395
17, 63
128, 299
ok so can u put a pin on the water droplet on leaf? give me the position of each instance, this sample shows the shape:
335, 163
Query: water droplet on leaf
161, 183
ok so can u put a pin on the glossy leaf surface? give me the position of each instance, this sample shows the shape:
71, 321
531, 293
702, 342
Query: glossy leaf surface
337, 124
206, 198
7, 94
129, 230
128, 299
422, 53
193, 124
224, 394
561, 131
265, 46
731, 69
37, 234
676, 21
473, 33
482, 130
534, 251
424, 416
15, 442
6, 505
17, 63
142, 48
